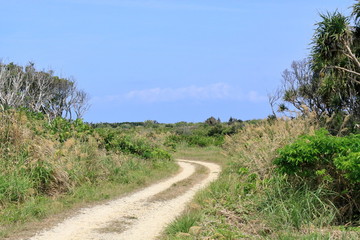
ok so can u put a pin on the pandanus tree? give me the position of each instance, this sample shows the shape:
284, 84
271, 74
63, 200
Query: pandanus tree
328, 81
335, 62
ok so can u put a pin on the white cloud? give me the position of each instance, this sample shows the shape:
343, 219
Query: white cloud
216, 91
213, 91
254, 96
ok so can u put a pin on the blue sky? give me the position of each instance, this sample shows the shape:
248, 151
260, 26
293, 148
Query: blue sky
164, 60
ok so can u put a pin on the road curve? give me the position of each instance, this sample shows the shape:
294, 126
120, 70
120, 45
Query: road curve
132, 216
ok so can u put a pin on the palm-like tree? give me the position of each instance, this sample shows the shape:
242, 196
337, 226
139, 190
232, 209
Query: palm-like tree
333, 45
332, 83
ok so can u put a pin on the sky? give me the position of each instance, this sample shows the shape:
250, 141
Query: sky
165, 60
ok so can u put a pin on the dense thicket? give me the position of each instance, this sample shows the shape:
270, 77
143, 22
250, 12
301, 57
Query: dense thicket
40, 91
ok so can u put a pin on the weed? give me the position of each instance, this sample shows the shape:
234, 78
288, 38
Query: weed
183, 223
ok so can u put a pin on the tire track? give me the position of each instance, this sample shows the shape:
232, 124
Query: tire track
132, 216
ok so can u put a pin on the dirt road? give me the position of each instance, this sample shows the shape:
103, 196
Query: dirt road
136, 216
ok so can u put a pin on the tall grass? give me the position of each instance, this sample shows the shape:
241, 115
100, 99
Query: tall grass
254, 147
250, 199
42, 162
286, 207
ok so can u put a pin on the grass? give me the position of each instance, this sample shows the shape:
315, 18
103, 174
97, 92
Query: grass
21, 220
184, 223
43, 176
207, 154
47, 168
250, 200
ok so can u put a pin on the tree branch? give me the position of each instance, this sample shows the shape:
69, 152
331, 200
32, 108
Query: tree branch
352, 55
347, 70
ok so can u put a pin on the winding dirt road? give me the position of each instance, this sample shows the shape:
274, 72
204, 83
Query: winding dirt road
136, 216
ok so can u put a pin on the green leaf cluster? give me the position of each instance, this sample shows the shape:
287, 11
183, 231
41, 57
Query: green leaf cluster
322, 154
117, 142
326, 161
63, 129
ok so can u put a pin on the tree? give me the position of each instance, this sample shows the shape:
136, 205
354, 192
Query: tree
332, 45
336, 64
300, 88
211, 121
40, 91
328, 82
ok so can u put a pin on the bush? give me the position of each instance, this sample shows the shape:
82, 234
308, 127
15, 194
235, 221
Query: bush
326, 161
117, 142
322, 157
64, 129
194, 140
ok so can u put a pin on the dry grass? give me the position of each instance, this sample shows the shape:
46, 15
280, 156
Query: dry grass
256, 144
26, 144
38, 171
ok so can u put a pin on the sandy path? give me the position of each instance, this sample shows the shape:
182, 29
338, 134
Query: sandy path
133, 216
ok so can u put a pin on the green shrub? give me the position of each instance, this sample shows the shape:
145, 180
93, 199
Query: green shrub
63, 129
322, 157
326, 161
118, 142
194, 140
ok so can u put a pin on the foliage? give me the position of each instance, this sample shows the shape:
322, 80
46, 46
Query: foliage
64, 129
42, 158
207, 134
327, 161
253, 200
328, 81
40, 91
212, 121
114, 141
194, 140
316, 156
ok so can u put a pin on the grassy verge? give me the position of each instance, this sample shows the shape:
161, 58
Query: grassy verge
251, 200
21, 220
48, 167
207, 154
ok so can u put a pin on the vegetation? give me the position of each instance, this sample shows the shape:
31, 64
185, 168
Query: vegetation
40, 91
42, 162
327, 82
65, 163
47, 159
297, 177
283, 178
255, 198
